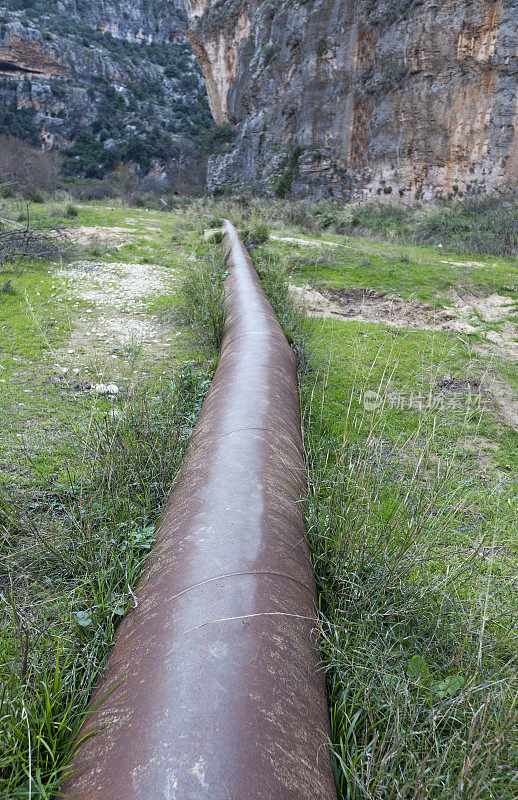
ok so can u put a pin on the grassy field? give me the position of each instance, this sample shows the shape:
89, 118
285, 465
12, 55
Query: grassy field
412, 464
102, 380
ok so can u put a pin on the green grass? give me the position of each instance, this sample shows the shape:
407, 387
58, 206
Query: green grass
202, 293
83, 478
33, 326
409, 367
41, 408
72, 554
411, 520
419, 273
411, 491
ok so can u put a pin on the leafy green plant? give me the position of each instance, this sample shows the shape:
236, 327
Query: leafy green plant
7, 288
20, 122
256, 233
269, 52
202, 296
71, 211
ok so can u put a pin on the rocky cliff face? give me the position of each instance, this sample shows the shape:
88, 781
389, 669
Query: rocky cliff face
406, 99
103, 80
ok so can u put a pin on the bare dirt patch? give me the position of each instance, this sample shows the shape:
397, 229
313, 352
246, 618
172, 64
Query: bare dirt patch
469, 314
368, 305
108, 237
472, 312
115, 324
306, 242
505, 400
465, 263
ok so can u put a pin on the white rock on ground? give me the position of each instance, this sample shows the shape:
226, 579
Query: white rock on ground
106, 388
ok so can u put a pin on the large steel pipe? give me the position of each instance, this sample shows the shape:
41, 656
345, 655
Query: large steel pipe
214, 687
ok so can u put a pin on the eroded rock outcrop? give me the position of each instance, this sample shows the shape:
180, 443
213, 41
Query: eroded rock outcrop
26, 56
406, 99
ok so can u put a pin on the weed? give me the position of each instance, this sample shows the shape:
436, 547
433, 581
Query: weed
71, 211
202, 295
83, 544
7, 288
216, 237
255, 234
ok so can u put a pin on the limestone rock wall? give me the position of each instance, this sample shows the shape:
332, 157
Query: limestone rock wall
405, 99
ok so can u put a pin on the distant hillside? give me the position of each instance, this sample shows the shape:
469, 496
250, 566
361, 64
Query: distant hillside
103, 82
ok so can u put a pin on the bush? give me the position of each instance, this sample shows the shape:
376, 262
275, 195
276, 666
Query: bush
20, 122
90, 189
487, 225
255, 234
33, 243
87, 157
216, 139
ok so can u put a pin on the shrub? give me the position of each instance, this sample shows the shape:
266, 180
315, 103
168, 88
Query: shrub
486, 225
20, 122
255, 234
269, 52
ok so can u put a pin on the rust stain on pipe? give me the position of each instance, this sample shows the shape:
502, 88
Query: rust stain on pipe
220, 695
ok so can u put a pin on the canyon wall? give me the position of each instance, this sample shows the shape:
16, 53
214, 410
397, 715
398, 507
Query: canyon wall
404, 99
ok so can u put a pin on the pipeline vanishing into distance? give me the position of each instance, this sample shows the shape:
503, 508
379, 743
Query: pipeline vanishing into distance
212, 690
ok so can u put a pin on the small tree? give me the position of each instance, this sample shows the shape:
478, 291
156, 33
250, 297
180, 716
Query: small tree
26, 170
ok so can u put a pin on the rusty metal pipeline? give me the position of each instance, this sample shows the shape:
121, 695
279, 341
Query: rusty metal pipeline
213, 687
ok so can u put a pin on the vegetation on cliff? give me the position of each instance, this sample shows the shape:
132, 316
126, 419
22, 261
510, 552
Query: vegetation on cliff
131, 96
